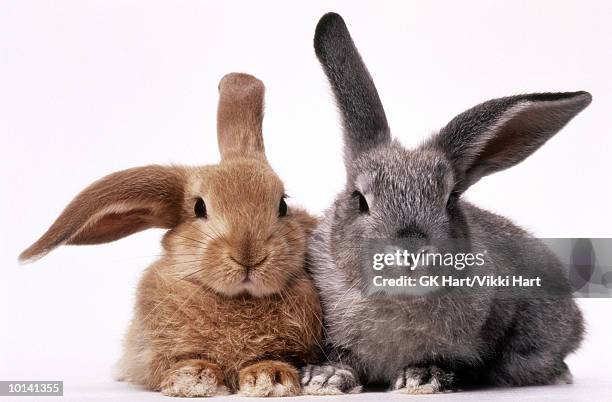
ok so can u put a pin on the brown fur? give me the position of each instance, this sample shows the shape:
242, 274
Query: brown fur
130, 201
240, 115
200, 327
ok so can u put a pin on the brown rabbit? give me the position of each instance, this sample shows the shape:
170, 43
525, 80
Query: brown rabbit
229, 306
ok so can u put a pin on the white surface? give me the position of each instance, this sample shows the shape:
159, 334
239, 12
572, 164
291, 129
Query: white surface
582, 390
90, 87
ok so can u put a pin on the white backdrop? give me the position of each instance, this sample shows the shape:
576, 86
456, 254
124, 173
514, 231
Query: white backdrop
90, 87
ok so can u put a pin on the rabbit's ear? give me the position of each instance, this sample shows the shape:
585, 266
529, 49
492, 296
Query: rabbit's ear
116, 206
240, 116
363, 117
502, 132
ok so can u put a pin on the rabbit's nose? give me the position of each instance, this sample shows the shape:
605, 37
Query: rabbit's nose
249, 265
411, 231
250, 247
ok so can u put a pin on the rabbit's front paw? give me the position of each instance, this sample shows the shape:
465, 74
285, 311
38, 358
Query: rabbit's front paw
423, 380
329, 379
193, 378
269, 378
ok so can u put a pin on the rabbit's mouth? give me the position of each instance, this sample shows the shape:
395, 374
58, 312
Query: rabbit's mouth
246, 279
251, 286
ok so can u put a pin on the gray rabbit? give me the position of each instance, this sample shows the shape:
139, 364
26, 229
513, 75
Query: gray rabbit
461, 337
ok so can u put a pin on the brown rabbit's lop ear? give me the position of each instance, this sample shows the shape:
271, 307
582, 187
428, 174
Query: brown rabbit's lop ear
240, 116
116, 206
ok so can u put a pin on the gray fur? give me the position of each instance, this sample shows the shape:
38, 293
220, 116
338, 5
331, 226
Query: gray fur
462, 337
364, 118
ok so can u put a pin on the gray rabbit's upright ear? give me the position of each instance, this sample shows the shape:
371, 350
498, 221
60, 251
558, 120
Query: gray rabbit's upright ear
240, 116
502, 132
363, 116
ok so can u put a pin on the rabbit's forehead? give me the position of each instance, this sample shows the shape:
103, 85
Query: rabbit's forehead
404, 174
232, 185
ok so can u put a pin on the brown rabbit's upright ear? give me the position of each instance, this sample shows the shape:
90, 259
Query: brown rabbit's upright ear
240, 116
116, 206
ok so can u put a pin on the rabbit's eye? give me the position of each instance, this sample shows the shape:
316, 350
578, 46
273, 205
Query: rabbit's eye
282, 207
363, 203
200, 208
